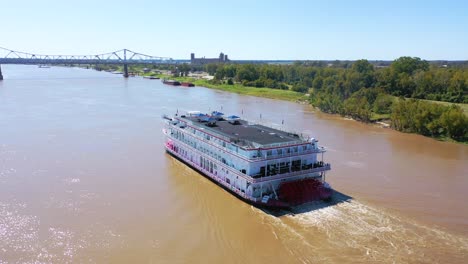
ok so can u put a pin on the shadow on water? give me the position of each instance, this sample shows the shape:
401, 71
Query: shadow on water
336, 198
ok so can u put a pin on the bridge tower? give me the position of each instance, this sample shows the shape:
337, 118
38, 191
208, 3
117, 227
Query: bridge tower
125, 68
1, 76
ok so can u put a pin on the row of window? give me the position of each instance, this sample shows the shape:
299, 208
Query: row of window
201, 147
269, 153
285, 151
208, 165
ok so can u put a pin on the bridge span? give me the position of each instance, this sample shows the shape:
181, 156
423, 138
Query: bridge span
123, 57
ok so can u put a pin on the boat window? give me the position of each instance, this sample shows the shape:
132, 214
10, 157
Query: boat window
280, 151
269, 153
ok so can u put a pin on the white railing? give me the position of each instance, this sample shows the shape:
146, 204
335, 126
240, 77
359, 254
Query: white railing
277, 127
300, 140
231, 169
200, 128
216, 178
256, 159
249, 178
291, 154
294, 173
283, 144
209, 142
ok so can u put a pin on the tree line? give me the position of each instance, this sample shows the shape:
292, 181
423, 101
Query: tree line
406, 76
365, 91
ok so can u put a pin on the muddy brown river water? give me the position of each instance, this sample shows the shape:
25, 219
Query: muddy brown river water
84, 179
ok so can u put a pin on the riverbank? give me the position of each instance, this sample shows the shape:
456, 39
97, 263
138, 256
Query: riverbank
286, 95
382, 120
373, 105
378, 119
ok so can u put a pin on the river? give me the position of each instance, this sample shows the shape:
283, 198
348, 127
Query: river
84, 178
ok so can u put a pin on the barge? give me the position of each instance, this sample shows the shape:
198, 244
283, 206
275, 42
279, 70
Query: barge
187, 84
151, 77
171, 82
264, 166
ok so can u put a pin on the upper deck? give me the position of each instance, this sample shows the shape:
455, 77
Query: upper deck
241, 132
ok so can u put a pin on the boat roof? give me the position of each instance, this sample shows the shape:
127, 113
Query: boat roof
242, 132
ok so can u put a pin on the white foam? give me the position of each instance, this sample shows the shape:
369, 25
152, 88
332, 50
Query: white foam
378, 234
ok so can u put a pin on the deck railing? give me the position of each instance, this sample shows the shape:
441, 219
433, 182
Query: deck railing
291, 154
219, 163
256, 159
325, 167
251, 179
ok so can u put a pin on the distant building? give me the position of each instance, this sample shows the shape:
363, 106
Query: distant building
221, 59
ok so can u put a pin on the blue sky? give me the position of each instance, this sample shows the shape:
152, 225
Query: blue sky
244, 29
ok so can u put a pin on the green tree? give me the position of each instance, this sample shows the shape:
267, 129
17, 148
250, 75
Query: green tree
211, 68
220, 73
230, 70
184, 69
365, 71
383, 104
455, 122
358, 108
247, 72
458, 87
299, 88
409, 65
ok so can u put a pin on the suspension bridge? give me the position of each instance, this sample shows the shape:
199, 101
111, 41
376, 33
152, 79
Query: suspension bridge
123, 57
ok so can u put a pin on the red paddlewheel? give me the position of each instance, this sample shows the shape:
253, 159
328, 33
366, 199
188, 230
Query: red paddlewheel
303, 191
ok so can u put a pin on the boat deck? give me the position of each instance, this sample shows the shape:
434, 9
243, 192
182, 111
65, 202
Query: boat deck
245, 134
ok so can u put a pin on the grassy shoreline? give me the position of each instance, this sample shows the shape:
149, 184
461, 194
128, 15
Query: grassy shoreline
244, 90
